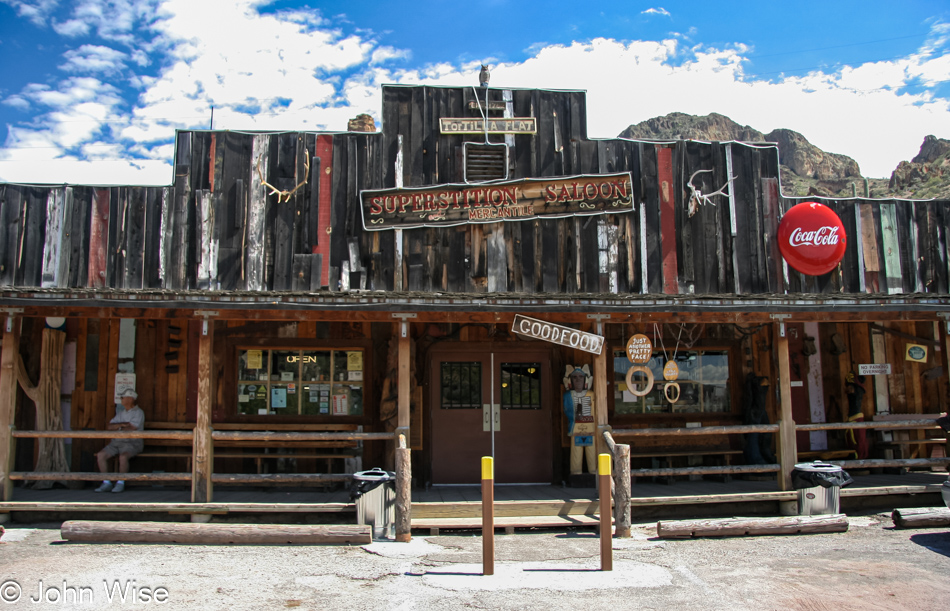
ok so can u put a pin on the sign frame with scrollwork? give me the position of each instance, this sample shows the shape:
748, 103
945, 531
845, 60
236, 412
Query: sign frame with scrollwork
512, 200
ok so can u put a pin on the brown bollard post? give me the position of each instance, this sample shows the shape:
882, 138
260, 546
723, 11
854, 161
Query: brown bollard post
606, 544
488, 515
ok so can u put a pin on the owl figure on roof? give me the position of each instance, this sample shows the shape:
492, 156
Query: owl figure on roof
484, 75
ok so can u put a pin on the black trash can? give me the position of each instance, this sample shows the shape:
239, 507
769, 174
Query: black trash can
374, 493
819, 485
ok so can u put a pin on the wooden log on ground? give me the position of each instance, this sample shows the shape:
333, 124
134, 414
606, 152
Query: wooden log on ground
744, 527
81, 531
921, 517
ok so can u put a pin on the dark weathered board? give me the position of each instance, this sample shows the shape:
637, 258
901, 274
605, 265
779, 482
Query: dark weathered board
162, 237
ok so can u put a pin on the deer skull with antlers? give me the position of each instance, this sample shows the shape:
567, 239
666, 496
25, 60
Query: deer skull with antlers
697, 197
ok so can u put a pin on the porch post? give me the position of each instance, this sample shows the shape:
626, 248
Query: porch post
8, 388
787, 450
203, 447
403, 462
600, 395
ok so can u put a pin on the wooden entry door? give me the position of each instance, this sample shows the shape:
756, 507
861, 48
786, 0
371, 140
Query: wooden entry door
797, 363
470, 389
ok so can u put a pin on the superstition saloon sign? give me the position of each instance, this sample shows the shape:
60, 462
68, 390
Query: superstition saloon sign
517, 200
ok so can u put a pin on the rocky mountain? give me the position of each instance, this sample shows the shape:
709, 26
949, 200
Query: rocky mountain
805, 168
926, 175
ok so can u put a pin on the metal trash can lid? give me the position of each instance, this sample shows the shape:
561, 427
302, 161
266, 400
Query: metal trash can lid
818, 467
374, 475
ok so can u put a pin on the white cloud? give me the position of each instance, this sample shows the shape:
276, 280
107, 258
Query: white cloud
656, 11
71, 28
93, 58
37, 11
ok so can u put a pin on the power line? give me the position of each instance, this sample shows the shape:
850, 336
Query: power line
853, 44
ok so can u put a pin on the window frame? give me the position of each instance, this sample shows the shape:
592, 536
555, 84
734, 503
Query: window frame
238, 345
732, 355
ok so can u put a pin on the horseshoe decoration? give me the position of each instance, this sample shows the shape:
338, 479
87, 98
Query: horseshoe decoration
672, 392
647, 387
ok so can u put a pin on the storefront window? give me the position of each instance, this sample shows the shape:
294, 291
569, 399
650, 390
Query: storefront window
300, 382
703, 384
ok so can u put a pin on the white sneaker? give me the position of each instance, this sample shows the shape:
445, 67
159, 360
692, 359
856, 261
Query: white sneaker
119, 487
105, 487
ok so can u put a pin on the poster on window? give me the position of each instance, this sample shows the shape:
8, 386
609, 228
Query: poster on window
278, 398
339, 405
354, 360
255, 359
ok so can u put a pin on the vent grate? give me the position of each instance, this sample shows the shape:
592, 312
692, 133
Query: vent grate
484, 162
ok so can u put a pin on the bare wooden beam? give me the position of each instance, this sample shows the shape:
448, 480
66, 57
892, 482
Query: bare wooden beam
203, 449
787, 450
403, 491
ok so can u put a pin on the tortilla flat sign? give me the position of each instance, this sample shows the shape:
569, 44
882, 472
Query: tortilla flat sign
515, 200
556, 334
513, 125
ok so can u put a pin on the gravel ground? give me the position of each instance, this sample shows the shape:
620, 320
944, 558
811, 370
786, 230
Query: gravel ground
872, 566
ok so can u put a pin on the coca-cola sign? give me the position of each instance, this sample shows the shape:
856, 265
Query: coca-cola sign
811, 238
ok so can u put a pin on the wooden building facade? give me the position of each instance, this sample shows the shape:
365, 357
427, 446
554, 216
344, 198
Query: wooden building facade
369, 282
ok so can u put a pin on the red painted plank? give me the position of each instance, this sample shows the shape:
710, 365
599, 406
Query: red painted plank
322, 239
99, 238
668, 237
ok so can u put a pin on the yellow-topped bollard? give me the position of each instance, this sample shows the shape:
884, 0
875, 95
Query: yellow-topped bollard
488, 467
606, 522
488, 515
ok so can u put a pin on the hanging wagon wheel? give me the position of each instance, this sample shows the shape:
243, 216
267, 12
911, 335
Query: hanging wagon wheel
672, 392
647, 386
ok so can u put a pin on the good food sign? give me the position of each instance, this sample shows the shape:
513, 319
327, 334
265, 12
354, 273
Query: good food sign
811, 238
516, 200
564, 336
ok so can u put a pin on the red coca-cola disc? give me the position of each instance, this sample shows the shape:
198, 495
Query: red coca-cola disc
811, 238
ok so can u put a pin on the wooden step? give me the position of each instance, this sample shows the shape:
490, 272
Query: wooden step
473, 509
507, 523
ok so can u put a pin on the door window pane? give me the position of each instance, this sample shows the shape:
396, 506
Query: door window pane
520, 386
461, 385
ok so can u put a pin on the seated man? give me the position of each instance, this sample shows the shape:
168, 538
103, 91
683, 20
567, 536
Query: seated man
132, 418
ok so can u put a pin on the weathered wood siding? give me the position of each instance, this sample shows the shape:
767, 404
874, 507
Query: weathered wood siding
219, 226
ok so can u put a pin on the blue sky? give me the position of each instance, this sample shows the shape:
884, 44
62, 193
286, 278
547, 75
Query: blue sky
92, 91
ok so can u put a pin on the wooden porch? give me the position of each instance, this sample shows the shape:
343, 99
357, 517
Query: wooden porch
459, 507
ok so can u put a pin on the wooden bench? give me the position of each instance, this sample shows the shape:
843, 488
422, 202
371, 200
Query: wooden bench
226, 449
665, 457
826, 455
899, 439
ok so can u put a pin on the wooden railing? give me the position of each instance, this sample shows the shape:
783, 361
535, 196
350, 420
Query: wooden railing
774, 428
188, 435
